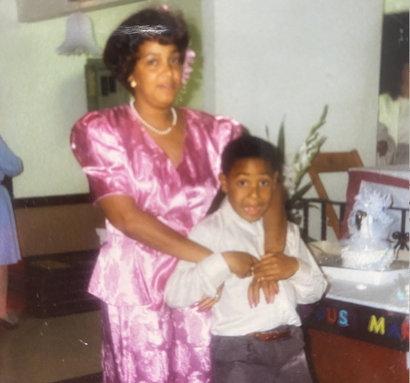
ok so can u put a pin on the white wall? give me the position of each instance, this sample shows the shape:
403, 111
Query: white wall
265, 60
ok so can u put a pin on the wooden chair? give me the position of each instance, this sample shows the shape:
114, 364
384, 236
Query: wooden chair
331, 163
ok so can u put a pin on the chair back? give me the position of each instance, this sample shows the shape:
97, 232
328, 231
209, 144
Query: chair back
332, 163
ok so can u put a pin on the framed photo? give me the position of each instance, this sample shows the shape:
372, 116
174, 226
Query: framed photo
29, 11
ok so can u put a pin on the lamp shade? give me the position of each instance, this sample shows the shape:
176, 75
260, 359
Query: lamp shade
79, 37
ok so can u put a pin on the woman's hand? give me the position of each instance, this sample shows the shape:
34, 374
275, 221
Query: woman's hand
207, 303
240, 263
276, 267
270, 289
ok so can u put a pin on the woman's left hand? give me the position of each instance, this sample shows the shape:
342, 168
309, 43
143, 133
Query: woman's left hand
206, 303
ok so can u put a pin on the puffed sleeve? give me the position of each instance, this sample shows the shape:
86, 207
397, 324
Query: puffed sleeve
223, 131
99, 148
226, 130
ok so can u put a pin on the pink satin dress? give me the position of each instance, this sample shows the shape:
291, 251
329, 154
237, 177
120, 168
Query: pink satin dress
143, 340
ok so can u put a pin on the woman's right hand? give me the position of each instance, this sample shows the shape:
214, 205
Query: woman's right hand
240, 263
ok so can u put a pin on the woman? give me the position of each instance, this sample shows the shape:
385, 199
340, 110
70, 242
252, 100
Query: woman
10, 165
393, 127
154, 171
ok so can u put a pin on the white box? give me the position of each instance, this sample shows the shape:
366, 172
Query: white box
366, 277
327, 253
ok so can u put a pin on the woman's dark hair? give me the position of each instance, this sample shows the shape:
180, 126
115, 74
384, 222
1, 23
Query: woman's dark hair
248, 146
158, 24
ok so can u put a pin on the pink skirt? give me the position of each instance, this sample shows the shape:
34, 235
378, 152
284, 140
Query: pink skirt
145, 346
191, 362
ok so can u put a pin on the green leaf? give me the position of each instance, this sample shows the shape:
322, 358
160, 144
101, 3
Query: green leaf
267, 133
324, 114
281, 138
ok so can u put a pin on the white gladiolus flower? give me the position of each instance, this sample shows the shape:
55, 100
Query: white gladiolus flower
294, 173
290, 175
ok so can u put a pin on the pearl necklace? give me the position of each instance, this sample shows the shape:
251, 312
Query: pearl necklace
150, 127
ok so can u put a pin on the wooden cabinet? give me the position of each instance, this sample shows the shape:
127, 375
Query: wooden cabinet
338, 359
352, 343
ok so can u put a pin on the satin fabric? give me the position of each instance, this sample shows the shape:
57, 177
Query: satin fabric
191, 361
120, 158
136, 343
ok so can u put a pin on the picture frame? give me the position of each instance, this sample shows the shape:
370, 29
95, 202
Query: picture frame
29, 11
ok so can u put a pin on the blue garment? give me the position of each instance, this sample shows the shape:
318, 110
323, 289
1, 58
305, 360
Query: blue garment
10, 165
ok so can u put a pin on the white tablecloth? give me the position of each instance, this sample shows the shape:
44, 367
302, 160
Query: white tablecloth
382, 297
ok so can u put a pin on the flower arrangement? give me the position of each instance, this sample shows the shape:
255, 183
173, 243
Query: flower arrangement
293, 173
187, 66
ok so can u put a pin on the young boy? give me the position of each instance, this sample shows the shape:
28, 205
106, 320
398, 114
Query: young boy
250, 344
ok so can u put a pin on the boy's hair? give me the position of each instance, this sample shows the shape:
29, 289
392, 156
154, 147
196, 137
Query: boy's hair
248, 146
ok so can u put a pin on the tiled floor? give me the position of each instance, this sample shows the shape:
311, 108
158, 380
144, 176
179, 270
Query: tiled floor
51, 350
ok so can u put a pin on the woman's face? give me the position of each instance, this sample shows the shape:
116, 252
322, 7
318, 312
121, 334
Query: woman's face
157, 73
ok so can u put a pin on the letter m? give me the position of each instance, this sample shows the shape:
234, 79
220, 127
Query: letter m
376, 326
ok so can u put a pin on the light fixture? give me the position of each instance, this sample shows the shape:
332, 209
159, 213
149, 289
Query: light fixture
79, 37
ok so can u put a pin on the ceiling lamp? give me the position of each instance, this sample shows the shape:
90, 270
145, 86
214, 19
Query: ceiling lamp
79, 37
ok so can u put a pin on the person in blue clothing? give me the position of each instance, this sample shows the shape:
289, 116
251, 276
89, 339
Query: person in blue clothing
10, 165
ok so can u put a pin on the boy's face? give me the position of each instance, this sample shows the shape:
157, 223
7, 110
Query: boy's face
249, 186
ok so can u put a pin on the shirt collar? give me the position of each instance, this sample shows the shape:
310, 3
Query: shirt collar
230, 216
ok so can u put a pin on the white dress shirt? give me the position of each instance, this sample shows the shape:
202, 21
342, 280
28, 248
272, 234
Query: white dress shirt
223, 231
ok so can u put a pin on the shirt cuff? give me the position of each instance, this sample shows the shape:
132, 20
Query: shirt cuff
303, 275
215, 268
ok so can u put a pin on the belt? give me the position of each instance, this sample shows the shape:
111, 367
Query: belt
268, 336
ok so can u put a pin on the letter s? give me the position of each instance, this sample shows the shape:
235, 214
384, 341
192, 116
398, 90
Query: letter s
343, 321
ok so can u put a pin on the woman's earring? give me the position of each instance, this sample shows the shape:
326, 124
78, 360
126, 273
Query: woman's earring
133, 83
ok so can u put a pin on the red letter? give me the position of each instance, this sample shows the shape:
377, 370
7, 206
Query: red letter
405, 331
331, 315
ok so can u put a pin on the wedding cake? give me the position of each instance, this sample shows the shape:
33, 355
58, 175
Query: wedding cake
369, 247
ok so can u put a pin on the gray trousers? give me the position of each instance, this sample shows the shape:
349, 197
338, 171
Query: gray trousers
242, 359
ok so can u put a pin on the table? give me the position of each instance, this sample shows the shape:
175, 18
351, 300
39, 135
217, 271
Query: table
374, 314
358, 336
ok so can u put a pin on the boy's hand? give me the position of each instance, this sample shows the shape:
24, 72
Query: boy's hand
270, 289
276, 267
240, 263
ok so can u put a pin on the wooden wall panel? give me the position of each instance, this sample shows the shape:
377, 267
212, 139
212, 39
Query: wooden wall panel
58, 229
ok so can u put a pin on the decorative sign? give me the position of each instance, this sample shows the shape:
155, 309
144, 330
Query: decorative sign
380, 327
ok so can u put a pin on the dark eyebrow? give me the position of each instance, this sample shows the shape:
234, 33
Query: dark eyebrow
248, 174
151, 54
